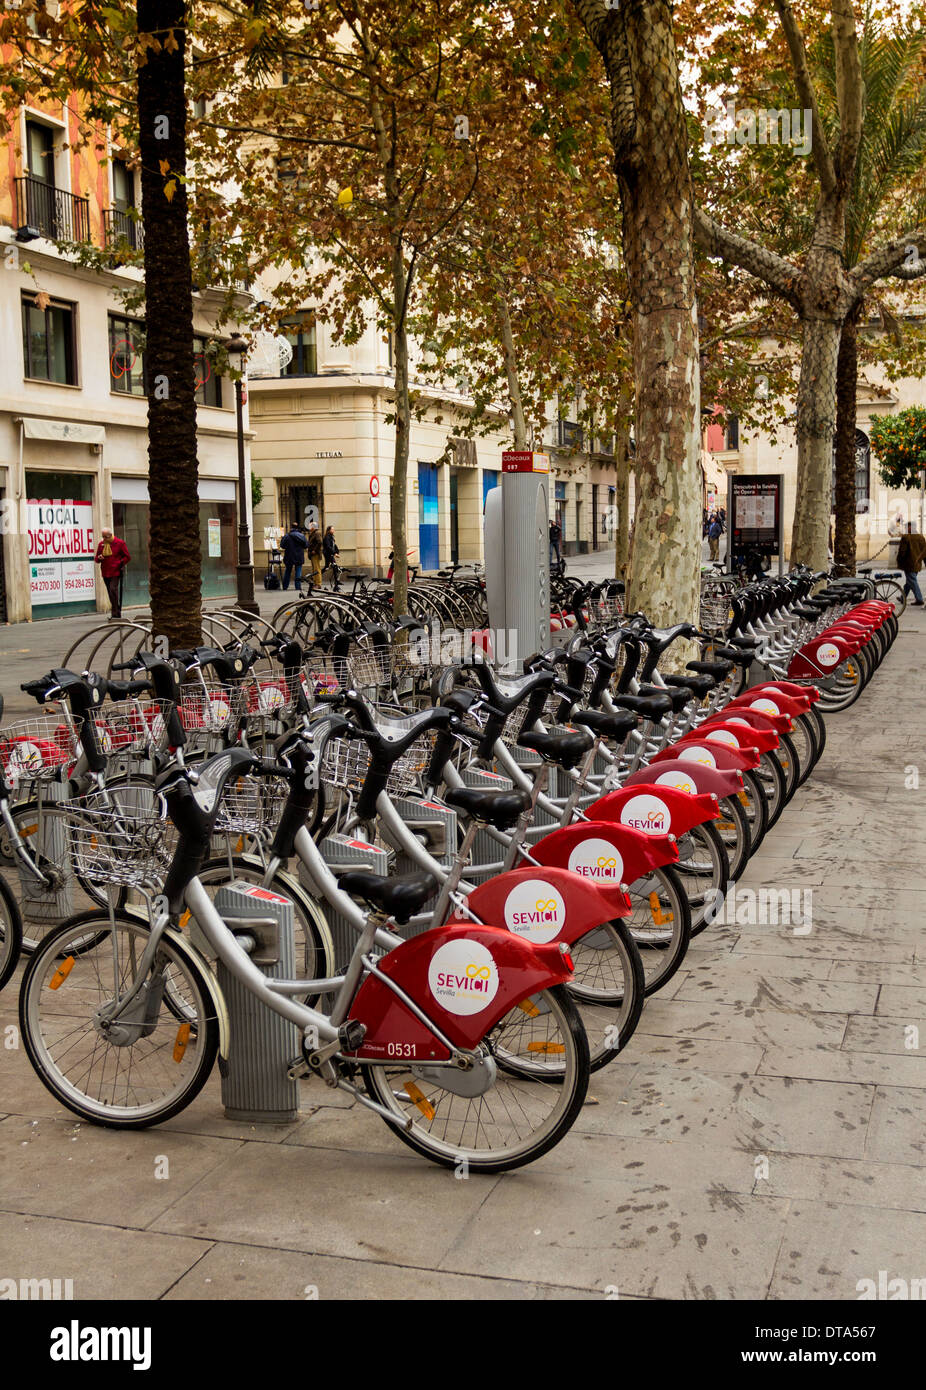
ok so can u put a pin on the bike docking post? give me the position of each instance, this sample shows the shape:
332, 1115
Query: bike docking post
255, 1084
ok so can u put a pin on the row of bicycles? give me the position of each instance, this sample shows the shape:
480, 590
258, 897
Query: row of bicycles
488, 874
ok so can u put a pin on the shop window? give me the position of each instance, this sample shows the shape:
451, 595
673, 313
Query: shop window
48, 341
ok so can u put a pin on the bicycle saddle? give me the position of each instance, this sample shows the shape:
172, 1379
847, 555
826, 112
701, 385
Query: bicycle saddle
736, 655
567, 750
649, 707
605, 724
399, 898
500, 809
701, 685
719, 669
678, 698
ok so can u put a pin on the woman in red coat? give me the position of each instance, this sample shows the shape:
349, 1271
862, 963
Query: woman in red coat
112, 556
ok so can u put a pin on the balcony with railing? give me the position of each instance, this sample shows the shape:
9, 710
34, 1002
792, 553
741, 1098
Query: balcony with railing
121, 229
54, 213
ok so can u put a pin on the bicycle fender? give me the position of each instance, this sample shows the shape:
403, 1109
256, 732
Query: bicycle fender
708, 755
661, 812
465, 978
755, 718
690, 777
551, 904
771, 703
809, 692
819, 657
731, 735
588, 847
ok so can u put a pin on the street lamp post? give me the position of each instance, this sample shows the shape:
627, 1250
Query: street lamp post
237, 350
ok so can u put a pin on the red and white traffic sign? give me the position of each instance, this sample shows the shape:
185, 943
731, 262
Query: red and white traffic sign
374, 488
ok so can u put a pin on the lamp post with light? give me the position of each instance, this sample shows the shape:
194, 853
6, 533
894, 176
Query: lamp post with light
237, 350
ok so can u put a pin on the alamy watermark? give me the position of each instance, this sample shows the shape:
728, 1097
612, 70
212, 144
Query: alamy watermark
729, 125
763, 907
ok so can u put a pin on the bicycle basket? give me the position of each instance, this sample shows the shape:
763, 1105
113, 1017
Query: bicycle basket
270, 696
209, 707
132, 726
346, 762
715, 612
36, 749
252, 805
132, 847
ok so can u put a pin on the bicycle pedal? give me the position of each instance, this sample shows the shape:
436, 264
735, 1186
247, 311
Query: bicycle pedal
297, 1069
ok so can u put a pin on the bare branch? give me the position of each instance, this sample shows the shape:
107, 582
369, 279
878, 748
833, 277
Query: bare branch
805, 88
775, 271
894, 259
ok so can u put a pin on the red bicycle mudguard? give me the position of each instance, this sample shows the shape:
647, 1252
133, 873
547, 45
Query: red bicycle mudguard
819, 657
807, 692
732, 736
465, 978
551, 904
708, 755
755, 718
605, 852
662, 812
689, 777
770, 703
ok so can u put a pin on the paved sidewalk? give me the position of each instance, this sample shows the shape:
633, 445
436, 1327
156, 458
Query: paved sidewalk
761, 1137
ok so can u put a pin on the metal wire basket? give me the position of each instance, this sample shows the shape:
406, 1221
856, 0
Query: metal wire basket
252, 805
608, 611
270, 696
133, 848
132, 726
36, 749
715, 612
209, 707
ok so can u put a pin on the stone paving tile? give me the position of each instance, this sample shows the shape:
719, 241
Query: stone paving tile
103, 1261
900, 1186
246, 1273
398, 1208
671, 1243
829, 1247
870, 1068
907, 1001
888, 1035
52, 1167
701, 1054
743, 985
767, 1025
856, 947
896, 1133
899, 973
758, 1113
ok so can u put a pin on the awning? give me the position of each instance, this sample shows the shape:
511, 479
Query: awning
69, 431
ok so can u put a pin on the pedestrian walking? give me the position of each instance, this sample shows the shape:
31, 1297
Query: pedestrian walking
330, 550
315, 554
293, 546
714, 532
910, 556
556, 535
112, 556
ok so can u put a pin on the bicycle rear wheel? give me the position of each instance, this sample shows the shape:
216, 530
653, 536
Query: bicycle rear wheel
517, 1118
11, 934
125, 1072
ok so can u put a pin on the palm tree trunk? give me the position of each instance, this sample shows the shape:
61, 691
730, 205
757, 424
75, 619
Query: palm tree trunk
846, 384
174, 548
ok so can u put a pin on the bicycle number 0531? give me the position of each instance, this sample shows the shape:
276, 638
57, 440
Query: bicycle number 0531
399, 1049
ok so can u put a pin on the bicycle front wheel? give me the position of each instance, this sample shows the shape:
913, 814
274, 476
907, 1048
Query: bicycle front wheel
517, 1117
11, 933
128, 1069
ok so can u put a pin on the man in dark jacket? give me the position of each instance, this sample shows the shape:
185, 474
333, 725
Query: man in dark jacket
330, 550
112, 556
293, 546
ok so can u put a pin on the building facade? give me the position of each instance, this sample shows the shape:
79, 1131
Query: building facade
740, 452
73, 409
321, 433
